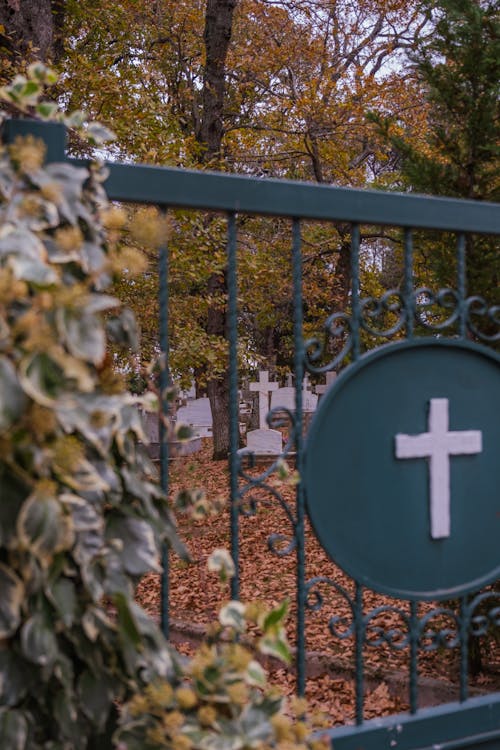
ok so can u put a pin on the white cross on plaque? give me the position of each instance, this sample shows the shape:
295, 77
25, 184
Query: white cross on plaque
263, 388
438, 444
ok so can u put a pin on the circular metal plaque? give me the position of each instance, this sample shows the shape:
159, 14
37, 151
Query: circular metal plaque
402, 469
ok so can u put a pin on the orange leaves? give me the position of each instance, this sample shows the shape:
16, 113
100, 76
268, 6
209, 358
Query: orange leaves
196, 598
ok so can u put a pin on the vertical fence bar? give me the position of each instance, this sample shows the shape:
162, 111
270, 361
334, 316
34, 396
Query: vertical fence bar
355, 301
232, 316
414, 639
408, 283
409, 300
461, 284
298, 439
358, 608
464, 649
359, 630
164, 384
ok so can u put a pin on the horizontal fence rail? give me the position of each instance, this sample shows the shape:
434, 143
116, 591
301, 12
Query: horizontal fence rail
234, 193
410, 309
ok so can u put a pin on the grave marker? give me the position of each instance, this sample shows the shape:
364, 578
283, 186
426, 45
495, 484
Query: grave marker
284, 398
198, 415
263, 387
265, 442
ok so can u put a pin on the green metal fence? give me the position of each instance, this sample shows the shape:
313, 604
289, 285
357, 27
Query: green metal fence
341, 342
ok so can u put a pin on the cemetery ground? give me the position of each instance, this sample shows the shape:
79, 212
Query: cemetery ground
196, 596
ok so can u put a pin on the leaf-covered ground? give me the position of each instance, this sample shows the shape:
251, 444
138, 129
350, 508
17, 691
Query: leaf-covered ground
196, 596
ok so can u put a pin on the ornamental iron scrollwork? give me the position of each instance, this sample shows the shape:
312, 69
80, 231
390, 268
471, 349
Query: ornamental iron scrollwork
372, 309
432, 638
432, 311
477, 309
278, 543
431, 307
337, 328
396, 638
315, 601
480, 621
439, 628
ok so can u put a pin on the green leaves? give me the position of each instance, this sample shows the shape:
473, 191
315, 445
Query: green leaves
13, 729
63, 595
22, 91
135, 544
43, 528
23, 252
42, 378
38, 641
221, 562
233, 615
83, 334
96, 694
12, 398
98, 134
274, 641
12, 595
80, 515
40, 72
46, 110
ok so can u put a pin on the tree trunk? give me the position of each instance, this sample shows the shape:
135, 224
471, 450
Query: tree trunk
217, 36
218, 388
33, 29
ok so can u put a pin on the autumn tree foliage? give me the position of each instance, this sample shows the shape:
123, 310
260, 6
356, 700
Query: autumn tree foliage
457, 66
264, 88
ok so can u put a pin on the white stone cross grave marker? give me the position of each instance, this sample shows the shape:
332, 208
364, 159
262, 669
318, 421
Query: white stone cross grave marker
309, 399
263, 388
438, 444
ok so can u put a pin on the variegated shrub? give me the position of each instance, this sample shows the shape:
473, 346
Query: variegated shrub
81, 514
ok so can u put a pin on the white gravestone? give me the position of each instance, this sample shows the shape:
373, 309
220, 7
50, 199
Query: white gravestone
198, 415
438, 444
265, 442
309, 400
330, 378
284, 398
263, 387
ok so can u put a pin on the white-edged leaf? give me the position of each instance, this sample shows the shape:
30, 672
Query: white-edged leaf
13, 729
138, 552
233, 615
46, 109
83, 334
255, 674
276, 645
11, 597
12, 397
221, 562
41, 378
99, 134
38, 641
44, 528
